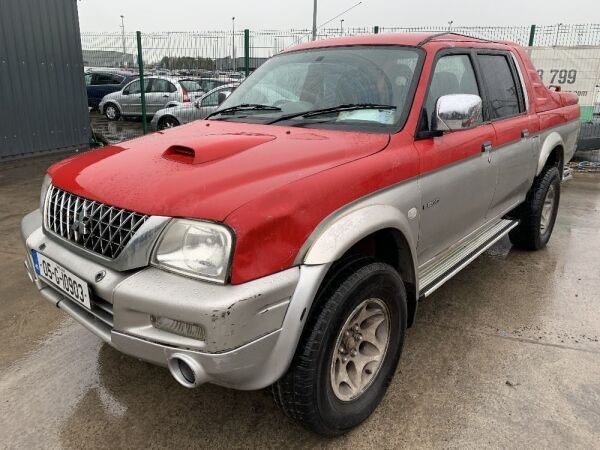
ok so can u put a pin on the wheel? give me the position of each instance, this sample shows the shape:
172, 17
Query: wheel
111, 111
167, 122
538, 212
348, 352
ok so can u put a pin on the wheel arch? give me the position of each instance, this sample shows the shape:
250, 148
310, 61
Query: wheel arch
379, 231
552, 153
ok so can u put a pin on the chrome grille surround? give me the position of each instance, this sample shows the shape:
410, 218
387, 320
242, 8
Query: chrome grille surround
99, 228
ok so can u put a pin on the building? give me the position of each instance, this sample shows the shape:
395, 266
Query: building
107, 58
44, 100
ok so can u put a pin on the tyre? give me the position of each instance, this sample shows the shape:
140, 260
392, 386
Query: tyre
167, 122
111, 111
537, 214
349, 350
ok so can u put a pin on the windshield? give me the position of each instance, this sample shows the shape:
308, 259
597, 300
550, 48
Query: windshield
312, 80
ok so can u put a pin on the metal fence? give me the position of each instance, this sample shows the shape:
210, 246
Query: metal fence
228, 56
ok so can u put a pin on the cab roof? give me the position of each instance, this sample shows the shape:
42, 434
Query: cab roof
407, 39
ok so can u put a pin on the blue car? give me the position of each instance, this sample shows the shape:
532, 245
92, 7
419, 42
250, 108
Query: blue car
101, 83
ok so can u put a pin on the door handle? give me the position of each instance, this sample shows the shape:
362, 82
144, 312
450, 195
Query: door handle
165, 96
486, 147
525, 133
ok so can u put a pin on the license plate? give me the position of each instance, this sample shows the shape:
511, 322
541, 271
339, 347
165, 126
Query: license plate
59, 277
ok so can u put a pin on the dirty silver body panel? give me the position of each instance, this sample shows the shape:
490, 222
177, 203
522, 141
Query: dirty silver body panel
401, 206
251, 329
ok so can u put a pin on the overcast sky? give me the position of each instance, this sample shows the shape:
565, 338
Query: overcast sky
195, 15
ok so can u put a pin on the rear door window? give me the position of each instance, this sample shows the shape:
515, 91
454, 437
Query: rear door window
160, 85
503, 92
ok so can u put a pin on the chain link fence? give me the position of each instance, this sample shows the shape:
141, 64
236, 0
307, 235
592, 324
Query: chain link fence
180, 68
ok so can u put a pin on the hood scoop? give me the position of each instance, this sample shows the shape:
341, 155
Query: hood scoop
203, 149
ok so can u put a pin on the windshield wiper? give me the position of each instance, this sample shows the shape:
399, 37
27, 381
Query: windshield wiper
244, 107
339, 108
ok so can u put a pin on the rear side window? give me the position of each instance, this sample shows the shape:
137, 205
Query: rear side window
453, 74
106, 78
502, 92
160, 85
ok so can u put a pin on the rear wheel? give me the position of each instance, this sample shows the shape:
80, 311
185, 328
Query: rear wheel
537, 214
111, 111
349, 351
167, 122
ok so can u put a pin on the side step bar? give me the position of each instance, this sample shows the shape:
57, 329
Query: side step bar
435, 275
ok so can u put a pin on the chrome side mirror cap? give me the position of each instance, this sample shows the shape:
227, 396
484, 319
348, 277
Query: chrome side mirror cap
457, 112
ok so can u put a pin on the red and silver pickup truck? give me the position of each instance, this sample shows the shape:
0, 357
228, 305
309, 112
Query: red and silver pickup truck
287, 240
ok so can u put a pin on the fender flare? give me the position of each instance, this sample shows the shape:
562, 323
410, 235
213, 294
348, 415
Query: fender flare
552, 141
340, 235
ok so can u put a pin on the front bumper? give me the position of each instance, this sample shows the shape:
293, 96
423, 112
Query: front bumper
251, 329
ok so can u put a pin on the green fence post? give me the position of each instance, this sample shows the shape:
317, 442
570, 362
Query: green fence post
247, 51
142, 87
376, 29
531, 35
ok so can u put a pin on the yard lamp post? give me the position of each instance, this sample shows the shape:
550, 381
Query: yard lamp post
341, 27
314, 28
558, 25
123, 40
233, 43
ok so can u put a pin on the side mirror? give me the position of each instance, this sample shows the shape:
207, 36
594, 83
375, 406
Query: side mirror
126, 92
221, 98
456, 112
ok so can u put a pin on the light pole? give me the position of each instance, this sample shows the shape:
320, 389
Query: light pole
558, 25
341, 27
314, 30
233, 42
450, 22
123, 39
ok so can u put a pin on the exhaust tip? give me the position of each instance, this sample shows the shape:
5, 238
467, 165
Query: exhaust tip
186, 370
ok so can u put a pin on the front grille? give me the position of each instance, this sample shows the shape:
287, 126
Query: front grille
97, 227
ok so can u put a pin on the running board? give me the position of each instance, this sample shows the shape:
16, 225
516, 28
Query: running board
435, 275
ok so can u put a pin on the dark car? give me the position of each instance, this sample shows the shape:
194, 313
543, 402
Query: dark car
99, 84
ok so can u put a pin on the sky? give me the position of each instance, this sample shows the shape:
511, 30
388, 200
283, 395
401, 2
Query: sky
197, 15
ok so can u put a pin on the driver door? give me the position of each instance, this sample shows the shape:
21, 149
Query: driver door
457, 181
130, 97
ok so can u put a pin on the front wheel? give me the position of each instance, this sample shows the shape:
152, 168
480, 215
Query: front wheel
167, 122
111, 111
537, 214
349, 351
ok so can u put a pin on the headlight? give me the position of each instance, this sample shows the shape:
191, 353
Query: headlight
196, 249
45, 185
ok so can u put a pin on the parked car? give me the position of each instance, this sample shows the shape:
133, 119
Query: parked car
183, 113
99, 84
159, 92
287, 241
209, 83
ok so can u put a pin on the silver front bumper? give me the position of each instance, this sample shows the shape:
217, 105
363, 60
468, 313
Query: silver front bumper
251, 329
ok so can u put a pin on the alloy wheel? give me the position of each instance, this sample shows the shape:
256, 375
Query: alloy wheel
360, 349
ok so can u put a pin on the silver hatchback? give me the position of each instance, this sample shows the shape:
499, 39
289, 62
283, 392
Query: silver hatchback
160, 92
178, 115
